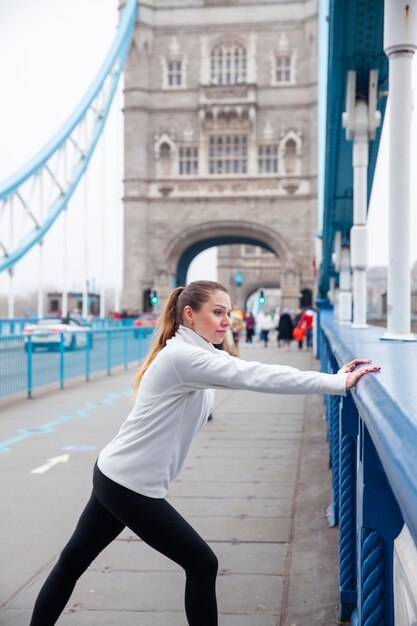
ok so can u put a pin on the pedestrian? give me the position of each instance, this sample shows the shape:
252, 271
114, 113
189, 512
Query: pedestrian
236, 328
264, 324
250, 327
306, 322
133, 472
285, 328
298, 332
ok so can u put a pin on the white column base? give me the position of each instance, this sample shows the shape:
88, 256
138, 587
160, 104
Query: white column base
398, 337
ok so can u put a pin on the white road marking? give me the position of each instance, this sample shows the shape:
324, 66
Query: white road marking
50, 463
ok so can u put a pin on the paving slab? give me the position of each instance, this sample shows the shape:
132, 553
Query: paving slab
233, 507
262, 459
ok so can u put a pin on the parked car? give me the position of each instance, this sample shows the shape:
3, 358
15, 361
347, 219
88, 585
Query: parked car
147, 321
46, 333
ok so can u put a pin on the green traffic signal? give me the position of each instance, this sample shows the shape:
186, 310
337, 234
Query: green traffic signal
261, 298
154, 297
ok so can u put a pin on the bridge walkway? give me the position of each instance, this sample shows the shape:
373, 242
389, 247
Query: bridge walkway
255, 486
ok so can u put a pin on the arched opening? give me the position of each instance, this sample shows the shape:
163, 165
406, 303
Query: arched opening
193, 250
275, 262
265, 298
306, 298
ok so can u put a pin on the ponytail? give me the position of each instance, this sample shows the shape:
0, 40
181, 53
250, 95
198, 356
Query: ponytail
168, 326
194, 295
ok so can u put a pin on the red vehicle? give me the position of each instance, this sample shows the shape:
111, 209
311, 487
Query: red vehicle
147, 321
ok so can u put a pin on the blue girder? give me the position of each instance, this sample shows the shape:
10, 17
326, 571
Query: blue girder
113, 67
355, 43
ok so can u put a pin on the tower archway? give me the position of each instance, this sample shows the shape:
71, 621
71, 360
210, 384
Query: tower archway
182, 249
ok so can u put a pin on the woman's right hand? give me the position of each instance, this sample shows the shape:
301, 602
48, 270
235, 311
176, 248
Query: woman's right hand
354, 376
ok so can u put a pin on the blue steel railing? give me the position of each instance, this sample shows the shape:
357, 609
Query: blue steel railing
372, 436
24, 365
16, 325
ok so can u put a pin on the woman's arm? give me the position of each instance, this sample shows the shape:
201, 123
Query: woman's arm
198, 368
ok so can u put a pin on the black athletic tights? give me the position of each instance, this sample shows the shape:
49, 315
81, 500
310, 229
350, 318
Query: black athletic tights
111, 508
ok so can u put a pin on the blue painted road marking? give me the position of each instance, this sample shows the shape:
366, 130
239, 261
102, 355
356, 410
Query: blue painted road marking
49, 427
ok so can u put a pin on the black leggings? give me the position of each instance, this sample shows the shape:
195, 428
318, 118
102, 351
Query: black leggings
111, 508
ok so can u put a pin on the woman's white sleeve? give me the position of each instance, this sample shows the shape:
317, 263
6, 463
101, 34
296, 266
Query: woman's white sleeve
204, 369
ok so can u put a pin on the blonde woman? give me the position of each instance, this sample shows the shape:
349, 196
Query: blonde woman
133, 472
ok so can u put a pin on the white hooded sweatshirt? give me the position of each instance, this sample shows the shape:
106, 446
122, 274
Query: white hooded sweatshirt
176, 397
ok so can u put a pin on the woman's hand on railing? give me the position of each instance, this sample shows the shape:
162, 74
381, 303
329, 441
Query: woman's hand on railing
354, 374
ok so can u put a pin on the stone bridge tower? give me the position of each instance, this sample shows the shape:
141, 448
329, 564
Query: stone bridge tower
220, 139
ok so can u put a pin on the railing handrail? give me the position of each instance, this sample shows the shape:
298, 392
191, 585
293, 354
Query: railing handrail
386, 411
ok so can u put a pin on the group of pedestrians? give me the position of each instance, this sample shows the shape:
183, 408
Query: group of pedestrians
289, 325
297, 326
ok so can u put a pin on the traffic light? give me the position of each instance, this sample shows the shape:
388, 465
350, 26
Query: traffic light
153, 297
261, 298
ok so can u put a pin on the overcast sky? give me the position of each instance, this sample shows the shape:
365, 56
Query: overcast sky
51, 51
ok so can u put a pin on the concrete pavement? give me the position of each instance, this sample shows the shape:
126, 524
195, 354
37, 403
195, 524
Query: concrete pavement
255, 486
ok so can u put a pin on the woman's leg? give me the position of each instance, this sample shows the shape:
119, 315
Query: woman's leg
96, 528
162, 527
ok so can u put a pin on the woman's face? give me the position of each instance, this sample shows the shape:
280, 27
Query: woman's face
212, 320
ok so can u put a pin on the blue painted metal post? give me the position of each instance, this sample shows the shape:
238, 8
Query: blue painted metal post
321, 305
349, 424
108, 352
30, 364
88, 356
333, 508
125, 338
61, 360
379, 522
140, 339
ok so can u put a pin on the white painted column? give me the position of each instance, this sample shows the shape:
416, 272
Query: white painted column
345, 293
342, 303
360, 120
400, 43
358, 233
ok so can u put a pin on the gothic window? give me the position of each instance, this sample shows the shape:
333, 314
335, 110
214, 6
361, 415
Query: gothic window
188, 161
228, 64
174, 73
268, 159
228, 154
249, 248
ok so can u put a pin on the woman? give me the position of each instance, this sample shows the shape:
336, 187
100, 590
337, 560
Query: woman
285, 328
250, 327
132, 474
